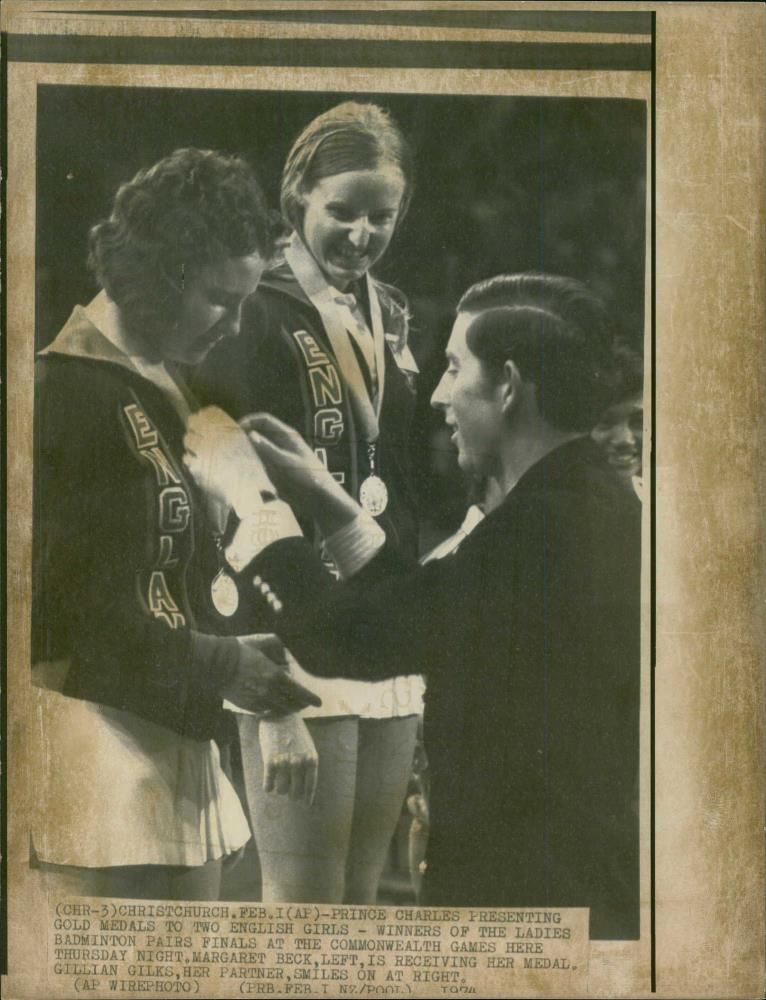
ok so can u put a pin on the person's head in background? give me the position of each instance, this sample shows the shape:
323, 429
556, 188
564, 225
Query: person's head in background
620, 428
529, 367
185, 244
346, 185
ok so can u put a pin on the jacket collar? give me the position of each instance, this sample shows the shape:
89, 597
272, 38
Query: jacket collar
312, 287
307, 271
92, 333
559, 469
281, 278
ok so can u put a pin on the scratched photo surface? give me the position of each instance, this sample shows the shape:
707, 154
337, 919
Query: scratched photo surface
502, 185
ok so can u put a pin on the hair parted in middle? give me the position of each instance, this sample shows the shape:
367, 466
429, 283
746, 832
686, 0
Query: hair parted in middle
556, 332
350, 136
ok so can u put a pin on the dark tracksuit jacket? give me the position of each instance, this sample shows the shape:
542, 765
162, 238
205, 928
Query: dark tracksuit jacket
123, 551
265, 369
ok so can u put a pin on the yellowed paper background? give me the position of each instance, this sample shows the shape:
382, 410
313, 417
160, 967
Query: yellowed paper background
709, 369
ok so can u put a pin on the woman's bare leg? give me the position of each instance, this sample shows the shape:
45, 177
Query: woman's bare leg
303, 848
386, 749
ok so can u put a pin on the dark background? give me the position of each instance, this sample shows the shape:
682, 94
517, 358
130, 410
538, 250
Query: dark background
502, 184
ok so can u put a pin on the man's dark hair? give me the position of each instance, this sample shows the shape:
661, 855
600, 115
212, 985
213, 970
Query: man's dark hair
556, 332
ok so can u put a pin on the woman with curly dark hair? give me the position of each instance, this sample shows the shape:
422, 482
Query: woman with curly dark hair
324, 347
135, 635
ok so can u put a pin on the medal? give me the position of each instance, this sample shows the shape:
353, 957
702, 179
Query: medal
224, 594
373, 493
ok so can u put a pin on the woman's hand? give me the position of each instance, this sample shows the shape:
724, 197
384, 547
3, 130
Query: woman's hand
223, 462
299, 475
290, 761
262, 683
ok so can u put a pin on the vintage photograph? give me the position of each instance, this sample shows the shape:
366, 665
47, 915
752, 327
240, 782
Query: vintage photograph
336, 651
443, 297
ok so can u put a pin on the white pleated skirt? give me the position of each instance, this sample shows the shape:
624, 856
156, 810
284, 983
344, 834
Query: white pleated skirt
114, 789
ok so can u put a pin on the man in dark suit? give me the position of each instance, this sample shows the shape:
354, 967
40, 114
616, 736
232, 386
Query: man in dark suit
528, 634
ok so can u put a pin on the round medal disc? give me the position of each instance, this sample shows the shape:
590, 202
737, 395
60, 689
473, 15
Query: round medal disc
373, 495
223, 591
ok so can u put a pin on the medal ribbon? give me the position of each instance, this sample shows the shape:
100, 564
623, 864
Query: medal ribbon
340, 324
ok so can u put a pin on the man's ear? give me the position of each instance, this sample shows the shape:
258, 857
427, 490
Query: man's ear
510, 387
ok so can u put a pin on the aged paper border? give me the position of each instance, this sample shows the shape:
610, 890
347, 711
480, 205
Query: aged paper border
708, 386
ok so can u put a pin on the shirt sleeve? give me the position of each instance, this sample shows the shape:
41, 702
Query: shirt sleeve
351, 547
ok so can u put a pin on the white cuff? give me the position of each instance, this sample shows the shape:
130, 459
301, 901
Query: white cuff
229, 706
274, 521
355, 544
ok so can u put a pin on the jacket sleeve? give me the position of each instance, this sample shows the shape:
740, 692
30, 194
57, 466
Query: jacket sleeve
391, 619
92, 516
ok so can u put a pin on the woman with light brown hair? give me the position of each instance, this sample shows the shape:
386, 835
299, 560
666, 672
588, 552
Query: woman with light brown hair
324, 347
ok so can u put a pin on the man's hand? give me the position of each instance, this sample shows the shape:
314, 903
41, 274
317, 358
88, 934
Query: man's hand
298, 474
289, 461
262, 683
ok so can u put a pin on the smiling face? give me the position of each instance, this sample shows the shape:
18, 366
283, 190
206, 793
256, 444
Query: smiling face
472, 404
620, 434
349, 219
211, 305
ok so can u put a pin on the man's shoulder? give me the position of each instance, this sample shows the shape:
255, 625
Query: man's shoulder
573, 491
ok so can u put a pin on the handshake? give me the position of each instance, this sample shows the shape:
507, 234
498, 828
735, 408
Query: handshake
262, 684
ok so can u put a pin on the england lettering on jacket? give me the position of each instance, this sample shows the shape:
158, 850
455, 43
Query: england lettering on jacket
326, 388
321, 454
173, 514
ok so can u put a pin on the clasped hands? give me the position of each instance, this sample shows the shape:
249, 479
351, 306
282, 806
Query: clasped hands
262, 683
